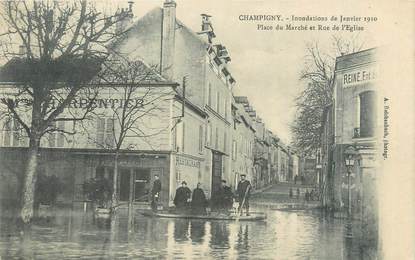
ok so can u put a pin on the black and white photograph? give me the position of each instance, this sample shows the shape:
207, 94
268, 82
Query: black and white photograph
178, 129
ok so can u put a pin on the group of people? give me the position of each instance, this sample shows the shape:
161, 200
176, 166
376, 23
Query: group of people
308, 195
196, 202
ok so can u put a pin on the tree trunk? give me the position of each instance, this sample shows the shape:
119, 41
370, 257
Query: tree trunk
114, 197
131, 202
29, 181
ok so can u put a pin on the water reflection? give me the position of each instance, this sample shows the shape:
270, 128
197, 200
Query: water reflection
219, 235
285, 235
197, 230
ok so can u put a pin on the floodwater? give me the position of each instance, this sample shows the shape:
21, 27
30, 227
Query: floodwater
284, 235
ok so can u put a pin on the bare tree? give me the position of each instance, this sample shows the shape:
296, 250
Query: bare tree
318, 74
62, 46
144, 94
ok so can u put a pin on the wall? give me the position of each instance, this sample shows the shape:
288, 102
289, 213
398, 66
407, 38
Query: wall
244, 137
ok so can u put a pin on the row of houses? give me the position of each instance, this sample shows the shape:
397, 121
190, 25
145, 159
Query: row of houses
189, 126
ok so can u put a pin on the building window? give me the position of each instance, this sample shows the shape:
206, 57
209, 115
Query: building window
105, 133
226, 109
183, 135
7, 132
234, 150
209, 94
224, 142
217, 138
57, 138
14, 134
200, 138
180, 134
217, 102
174, 139
208, 134
367, 113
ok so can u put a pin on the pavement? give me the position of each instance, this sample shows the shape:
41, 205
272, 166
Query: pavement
278, 194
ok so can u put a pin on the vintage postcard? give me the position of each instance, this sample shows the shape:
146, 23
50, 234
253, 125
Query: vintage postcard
240, 129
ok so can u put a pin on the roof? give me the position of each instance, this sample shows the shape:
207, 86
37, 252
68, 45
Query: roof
137, 72
356, 58
20, 71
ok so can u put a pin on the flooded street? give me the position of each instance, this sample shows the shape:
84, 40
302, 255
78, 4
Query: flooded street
283, 235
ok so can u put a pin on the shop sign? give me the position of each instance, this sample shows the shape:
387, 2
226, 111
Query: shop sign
187, 162
361, 76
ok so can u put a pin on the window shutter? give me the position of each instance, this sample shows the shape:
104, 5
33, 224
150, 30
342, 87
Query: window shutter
7, 131
16, 132
100, 132
52, 136
109, 133
61, 136
200, 138
217, 138
367, 114
183, 135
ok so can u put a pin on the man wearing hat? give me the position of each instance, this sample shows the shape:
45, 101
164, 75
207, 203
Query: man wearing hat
243, 190
182, 197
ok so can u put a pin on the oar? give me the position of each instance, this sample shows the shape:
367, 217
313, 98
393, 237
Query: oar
243, 200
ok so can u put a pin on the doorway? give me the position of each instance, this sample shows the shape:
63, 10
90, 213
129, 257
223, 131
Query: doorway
141, 179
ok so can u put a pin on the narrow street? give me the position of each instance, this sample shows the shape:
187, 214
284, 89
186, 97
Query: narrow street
297, 234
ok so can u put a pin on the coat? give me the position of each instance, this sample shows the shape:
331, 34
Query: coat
226, 197
198, 198
241, 189
181, 197
156, 187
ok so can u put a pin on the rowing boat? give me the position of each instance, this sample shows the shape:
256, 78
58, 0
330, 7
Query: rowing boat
257, 216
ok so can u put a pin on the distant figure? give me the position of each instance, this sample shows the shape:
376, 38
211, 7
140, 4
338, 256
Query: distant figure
298, 193
225, 198
243, 191
291, 192
155, 192
312, 195
182, 197
307, 195
295, 179
199, 201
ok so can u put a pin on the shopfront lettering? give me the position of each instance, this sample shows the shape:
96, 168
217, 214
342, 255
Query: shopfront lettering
187, 162
81, 103
358, 77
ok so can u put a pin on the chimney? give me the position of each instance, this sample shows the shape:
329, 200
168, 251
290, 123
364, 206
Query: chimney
168, 39
207, 27
122, 25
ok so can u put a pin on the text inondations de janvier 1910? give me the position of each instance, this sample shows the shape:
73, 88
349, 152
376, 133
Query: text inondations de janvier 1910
334, 23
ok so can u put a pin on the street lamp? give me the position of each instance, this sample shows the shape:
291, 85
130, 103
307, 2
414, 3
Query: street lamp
349, 160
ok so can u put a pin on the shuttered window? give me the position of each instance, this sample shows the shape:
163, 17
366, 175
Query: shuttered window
367, 113
13, 133
105, 133
200, 138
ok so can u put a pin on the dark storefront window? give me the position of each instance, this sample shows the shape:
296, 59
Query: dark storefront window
367, 113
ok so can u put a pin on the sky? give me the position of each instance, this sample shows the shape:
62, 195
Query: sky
265, 64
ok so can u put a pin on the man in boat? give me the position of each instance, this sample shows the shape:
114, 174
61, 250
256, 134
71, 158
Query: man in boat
155, 192
199, 201
182, 197
225, 198
243, 190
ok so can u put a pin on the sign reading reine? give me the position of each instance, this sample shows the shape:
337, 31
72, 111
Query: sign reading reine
358, 77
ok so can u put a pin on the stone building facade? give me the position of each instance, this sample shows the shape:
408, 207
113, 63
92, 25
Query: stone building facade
352, 123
